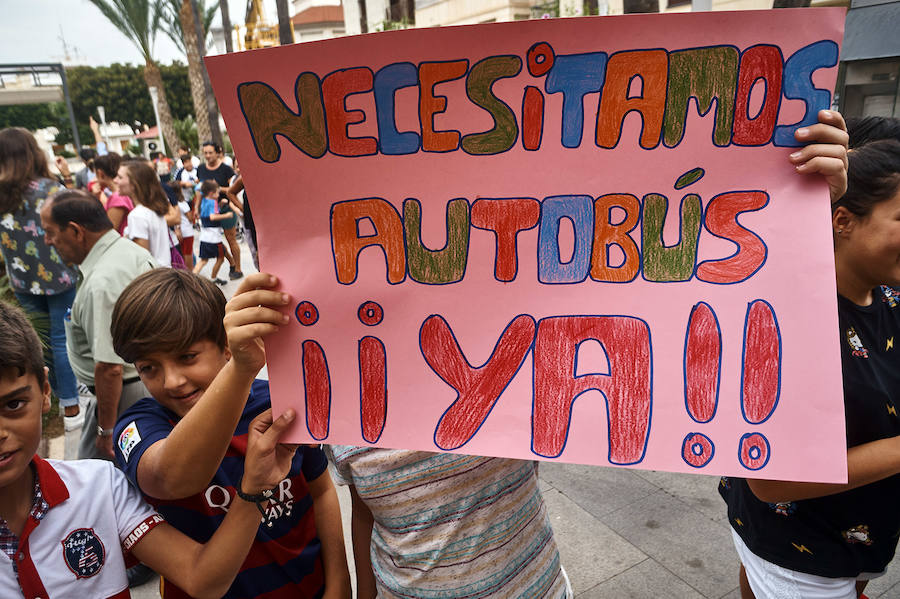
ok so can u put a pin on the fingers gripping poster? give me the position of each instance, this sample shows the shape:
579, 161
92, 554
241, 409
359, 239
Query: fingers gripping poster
567, 239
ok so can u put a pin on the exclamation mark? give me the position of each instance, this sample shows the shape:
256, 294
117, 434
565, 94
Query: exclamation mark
760, 380
702, 373
316, 378
373, 396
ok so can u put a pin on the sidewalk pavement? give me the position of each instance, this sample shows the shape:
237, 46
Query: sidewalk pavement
622, 533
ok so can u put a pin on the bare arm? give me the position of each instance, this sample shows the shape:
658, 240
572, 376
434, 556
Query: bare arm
866, 464
108, 389
208, 570
183, 463
173, 216
116, 215
232, 192
327, 512
361, 523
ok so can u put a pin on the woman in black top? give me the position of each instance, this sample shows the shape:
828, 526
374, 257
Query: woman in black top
826, 540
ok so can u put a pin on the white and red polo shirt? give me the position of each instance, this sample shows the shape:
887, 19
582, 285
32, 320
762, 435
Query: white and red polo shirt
78, 547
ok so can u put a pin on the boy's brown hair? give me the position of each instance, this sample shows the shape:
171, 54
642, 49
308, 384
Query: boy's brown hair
208, 186
20, 348
167, 310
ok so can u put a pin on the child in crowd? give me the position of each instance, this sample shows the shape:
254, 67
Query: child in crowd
186, 180
186, 234
184, 448
211, 236
68, 527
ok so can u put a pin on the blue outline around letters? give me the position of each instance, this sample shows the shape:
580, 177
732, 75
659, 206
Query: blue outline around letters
387, 268
469, 364
288, 108
446, 103
605, 399
491, 92
374, 324
712, 451
718, 367
741, 446
702, 113
297, 315
446, 242
349, 123
662, 129
680, 233
769, 140
744, 360
497, 237
306, 388
736, 251
359, 372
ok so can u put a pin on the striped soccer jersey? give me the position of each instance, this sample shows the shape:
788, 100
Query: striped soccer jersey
285, 558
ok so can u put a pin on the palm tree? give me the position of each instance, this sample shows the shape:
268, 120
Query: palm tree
182, 28
139, 21
285, 27
172, 26
182, 19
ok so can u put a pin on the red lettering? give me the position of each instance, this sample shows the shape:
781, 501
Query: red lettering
478, 389
506, 218
627, 387
721, 221
761, 374
372, 387
758, 63
317, 387
335, 89
702, 363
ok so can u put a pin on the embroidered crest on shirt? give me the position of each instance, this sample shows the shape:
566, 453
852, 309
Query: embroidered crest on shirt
855, 343
83, 552
858, 534
129, 439
890, 296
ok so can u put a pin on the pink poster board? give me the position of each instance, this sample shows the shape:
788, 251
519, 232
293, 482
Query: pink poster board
564, 239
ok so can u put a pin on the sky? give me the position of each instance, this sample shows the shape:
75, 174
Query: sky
31, 31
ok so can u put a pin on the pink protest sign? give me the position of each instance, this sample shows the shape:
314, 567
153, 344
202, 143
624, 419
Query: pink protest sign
567, 239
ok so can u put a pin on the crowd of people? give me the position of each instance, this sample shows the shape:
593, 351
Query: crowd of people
107, 255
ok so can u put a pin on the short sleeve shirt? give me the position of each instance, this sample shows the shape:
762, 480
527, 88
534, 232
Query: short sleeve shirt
143, 223
78, 547
453, 526
849, 533
33, 266
109, 267
285, 557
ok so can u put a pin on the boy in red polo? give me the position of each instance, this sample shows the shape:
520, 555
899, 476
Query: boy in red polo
67, 528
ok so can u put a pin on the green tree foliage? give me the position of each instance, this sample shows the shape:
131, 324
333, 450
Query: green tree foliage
119, 88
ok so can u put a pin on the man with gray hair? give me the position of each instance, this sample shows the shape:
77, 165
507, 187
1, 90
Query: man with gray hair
77, 226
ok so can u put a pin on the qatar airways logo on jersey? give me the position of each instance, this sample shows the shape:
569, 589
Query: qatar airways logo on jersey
282, 503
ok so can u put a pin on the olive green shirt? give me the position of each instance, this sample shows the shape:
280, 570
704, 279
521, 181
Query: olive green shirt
109, 267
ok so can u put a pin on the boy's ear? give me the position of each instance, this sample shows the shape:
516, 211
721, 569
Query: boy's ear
45, 392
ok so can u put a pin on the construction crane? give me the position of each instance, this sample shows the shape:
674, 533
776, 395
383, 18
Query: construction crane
257, 32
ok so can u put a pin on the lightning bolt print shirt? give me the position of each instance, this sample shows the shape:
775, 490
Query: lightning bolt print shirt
849, 533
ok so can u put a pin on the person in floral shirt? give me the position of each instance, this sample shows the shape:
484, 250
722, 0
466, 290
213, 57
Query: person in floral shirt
42, 282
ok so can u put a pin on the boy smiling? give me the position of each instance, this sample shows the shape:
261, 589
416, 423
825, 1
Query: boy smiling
85, 514
184, 447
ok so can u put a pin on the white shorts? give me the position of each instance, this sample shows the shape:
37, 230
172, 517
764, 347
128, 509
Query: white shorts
771, 580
